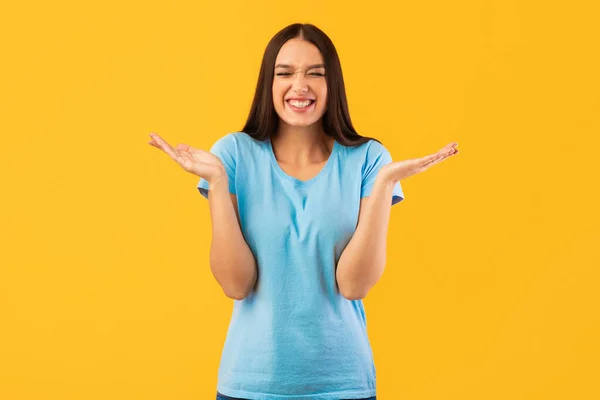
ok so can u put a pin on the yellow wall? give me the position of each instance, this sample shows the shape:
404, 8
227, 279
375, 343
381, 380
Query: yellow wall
492, 286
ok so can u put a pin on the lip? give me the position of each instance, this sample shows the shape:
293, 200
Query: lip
300, 110
299, 98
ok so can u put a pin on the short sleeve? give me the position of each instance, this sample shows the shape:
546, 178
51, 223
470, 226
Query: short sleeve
226, 149
376, 157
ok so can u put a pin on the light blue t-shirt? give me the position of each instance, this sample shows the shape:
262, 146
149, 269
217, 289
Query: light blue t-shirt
296, 336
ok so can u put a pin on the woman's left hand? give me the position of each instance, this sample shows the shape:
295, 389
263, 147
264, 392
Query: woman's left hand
395, 171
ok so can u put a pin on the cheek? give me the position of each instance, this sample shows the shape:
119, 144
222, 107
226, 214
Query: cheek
323, 97
276, 90
278, 94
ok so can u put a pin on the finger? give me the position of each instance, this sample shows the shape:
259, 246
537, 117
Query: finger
153, 140
436, 162
449, 146
424, 163
430, 160
187, 149
159, 140
441, 158
193, 150
155, 144
449, 149
442, 155
446, 152
427, 159
167, 148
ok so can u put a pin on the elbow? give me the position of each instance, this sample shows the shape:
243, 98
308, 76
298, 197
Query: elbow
355, 288
355, 281
236, 282
353, 296
353, 293
236, 294
238, 290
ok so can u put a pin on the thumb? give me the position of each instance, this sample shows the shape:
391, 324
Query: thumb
183, 147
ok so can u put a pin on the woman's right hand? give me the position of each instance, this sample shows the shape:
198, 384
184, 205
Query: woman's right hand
198, 162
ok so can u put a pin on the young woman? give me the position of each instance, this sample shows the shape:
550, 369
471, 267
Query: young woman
300, 204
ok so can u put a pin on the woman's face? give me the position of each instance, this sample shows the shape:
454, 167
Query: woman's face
299, 85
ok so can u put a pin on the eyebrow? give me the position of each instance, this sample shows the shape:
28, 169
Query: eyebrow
309, 67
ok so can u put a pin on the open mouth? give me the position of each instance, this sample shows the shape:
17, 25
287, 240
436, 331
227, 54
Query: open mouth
299, 105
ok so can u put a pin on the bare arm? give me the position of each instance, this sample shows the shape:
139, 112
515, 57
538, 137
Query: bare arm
231, 260
363, 260
362, 263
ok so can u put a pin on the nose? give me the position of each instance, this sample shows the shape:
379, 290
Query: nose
299, 84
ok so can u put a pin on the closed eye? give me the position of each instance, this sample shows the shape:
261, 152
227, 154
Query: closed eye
290, 74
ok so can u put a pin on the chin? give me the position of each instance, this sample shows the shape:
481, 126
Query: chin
299, 124
301, 121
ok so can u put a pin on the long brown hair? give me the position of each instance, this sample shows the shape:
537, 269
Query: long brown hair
263, 120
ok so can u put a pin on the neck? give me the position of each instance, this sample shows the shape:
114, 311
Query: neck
301, 145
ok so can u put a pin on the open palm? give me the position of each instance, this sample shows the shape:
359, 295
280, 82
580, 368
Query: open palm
399, 170
196, 161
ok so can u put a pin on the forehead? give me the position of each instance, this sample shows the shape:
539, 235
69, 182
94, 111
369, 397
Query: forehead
298, 52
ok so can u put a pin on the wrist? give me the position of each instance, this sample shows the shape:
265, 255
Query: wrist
384, 181
219, 182
385, 176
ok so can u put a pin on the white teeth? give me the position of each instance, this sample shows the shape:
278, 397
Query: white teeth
300, 104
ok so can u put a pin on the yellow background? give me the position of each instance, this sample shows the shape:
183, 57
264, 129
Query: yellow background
492, 286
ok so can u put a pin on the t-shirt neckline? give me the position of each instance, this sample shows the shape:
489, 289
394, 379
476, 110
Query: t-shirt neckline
297, 182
